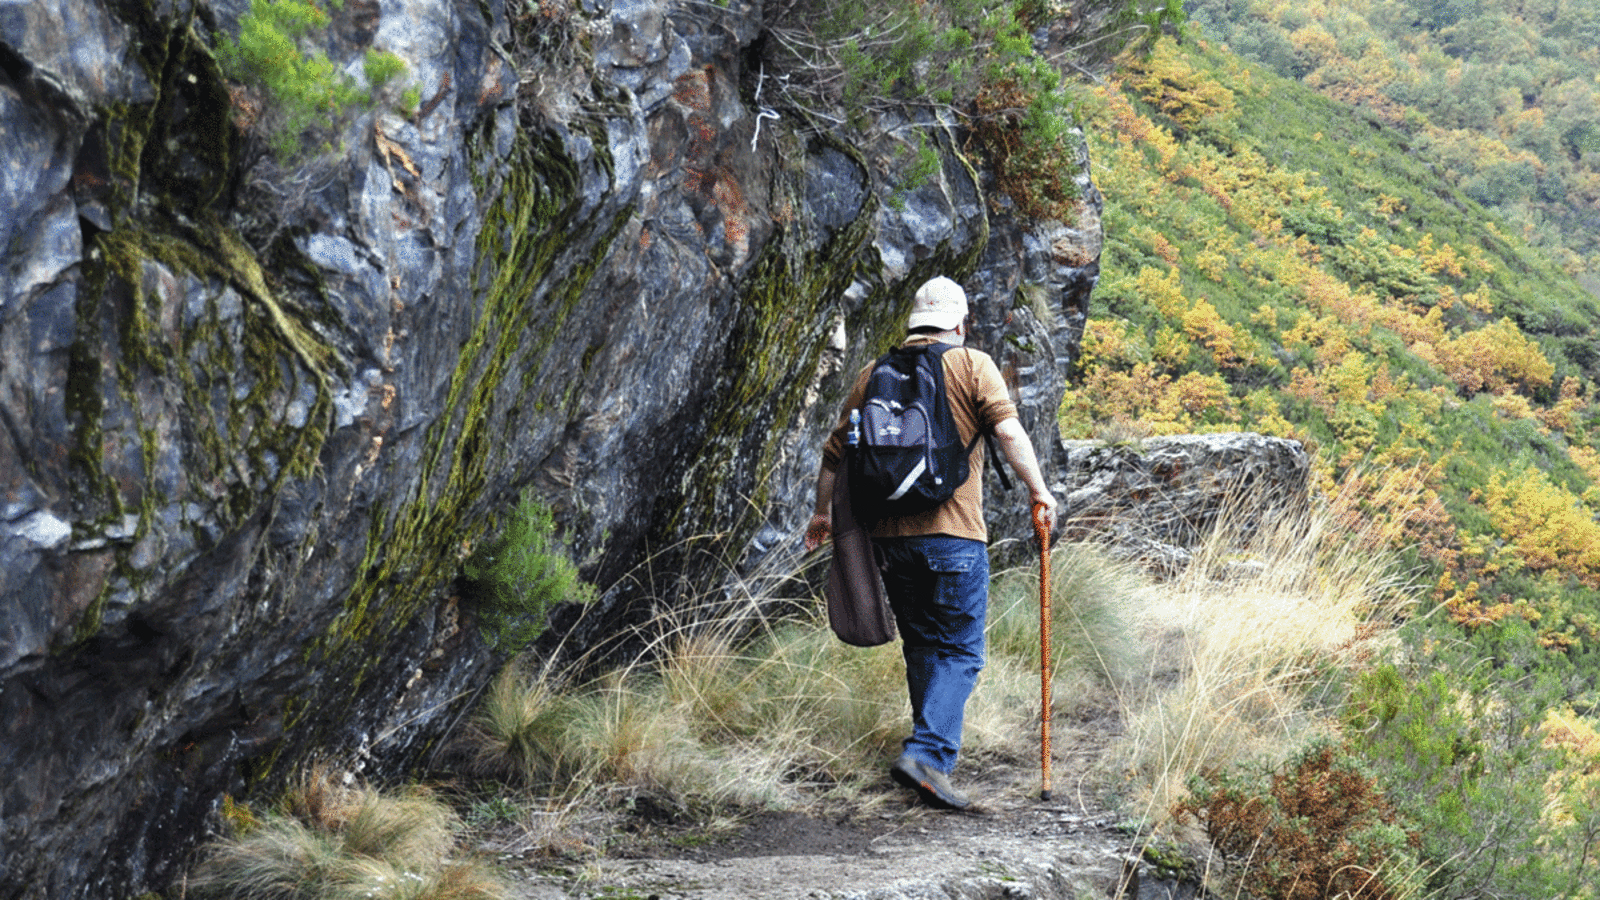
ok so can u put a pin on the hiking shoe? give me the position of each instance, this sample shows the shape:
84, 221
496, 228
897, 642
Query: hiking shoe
932, 784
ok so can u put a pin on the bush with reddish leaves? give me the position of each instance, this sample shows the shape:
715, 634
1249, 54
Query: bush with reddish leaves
1318, 828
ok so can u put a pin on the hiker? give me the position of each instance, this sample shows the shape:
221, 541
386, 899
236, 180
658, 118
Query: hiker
935, 563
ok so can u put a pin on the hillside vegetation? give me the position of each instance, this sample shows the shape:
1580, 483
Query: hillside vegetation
1499, 96
1315, 264
1279, 260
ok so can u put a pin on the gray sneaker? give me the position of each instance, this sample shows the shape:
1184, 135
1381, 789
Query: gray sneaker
932, 784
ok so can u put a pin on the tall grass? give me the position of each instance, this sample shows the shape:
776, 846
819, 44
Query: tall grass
713, 719
1097, 602
733, 707
1250, 639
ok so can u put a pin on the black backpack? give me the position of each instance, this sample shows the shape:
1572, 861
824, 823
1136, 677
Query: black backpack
906, 455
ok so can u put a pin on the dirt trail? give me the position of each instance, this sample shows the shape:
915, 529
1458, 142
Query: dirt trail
1009, 845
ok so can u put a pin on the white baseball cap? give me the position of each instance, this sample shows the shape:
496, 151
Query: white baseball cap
940, 303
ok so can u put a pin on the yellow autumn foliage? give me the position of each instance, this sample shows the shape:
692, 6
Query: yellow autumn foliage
1547, 526
1493, 358
1174, 86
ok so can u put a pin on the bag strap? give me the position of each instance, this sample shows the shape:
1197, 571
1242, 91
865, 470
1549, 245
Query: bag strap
988, 436
985, 434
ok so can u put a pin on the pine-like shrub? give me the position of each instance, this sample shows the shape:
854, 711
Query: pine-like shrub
518, 577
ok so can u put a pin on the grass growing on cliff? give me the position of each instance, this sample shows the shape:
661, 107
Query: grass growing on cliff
327, 839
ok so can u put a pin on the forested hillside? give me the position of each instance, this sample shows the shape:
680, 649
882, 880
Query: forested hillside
1398, 286
1499, 96
1281, 262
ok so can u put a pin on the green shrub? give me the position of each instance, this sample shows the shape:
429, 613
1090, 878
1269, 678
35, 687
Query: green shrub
974, 61
1462, 758
304, 99
1024, 120
382, 67
520, 576
410, 99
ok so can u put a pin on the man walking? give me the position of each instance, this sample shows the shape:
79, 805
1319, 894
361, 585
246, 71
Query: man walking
936, 563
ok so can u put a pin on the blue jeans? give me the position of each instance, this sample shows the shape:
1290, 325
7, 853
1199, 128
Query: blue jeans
938, 587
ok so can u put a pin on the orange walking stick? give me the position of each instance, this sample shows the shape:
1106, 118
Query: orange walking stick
1041, 527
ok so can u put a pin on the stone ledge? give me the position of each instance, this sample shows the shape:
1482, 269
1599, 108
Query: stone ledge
1156, 499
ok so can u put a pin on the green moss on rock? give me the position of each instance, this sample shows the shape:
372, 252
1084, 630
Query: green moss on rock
528, 288
249, 448
170, 159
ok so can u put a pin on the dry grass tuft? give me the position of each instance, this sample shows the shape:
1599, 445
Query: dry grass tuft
726, 716
336, 840
1249, 635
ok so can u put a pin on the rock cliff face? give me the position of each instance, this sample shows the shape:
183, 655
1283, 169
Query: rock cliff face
252, 426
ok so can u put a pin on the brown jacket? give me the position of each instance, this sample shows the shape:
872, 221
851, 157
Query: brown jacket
978, 400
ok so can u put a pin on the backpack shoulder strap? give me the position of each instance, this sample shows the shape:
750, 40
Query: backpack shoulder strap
987, 435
